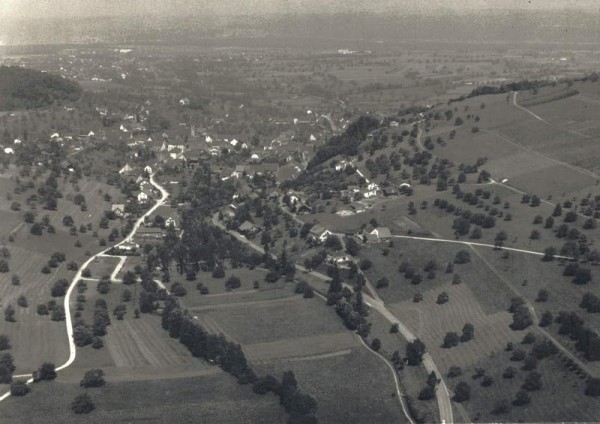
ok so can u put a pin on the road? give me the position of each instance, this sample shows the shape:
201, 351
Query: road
470, 243
77, 277
442, 393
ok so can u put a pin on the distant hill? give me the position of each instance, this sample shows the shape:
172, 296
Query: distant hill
28, 89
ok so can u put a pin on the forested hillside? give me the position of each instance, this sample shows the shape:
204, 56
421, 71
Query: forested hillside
27, 89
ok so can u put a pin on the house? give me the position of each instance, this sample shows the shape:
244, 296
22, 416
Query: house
380, 234
9, 151
255, 157
208, 139
128, 246
318, 233
238, 172
248, 229
234, 142
184, 102
170, 222
142, 197
229, 212
390, 191
339, 259
118, 209
17, 141
149, 233
148, 169
126, 170
357, 207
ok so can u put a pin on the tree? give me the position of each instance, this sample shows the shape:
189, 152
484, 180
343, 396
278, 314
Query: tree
501, 407
4, 342
427, 393
521, 318
233, 282
582, 276
549, 254
442, 298
462, 257
542, 296
462, 392
19, 388
4, 266
46, 372
468, 332
521, 398
533, 381
129, 278
546, 319
93, 378
9, 313
376, 345
414, 352
593, 387
454, 371
82, 404
58, 314
509, 372
451, 339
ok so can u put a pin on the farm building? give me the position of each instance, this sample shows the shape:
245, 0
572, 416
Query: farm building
318, 233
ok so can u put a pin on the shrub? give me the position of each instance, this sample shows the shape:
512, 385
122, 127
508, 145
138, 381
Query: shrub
19, 388
82, 404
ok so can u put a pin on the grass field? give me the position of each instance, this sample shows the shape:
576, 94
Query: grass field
352, 388
210, 398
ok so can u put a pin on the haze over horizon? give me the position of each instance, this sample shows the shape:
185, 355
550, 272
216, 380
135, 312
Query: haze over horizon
33, 9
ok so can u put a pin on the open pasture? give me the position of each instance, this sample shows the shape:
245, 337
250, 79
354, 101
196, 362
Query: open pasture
356, 387
209, 398
269, 321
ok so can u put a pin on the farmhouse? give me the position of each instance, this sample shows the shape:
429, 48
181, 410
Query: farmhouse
118, 209
248, 229
127, 170
339, 259
150, 233
379, 234
318, 233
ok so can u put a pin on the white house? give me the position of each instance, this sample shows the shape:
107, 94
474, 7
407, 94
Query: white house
17, 141
318, 233
148, 169
234, 142
142, 197
126, 169
255, 156
123, 129
170, 222
55, 136
9, 151
208, 139
184, 102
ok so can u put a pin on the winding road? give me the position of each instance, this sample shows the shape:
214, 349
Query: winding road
77, 277
442, 393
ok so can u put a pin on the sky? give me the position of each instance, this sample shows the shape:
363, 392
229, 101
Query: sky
15, 9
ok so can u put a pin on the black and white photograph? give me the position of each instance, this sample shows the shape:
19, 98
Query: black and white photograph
299, 211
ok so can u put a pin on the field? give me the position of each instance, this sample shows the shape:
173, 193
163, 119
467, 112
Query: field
356, 387
561, 394
215, 397
306, 336
36, 338
528, 276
